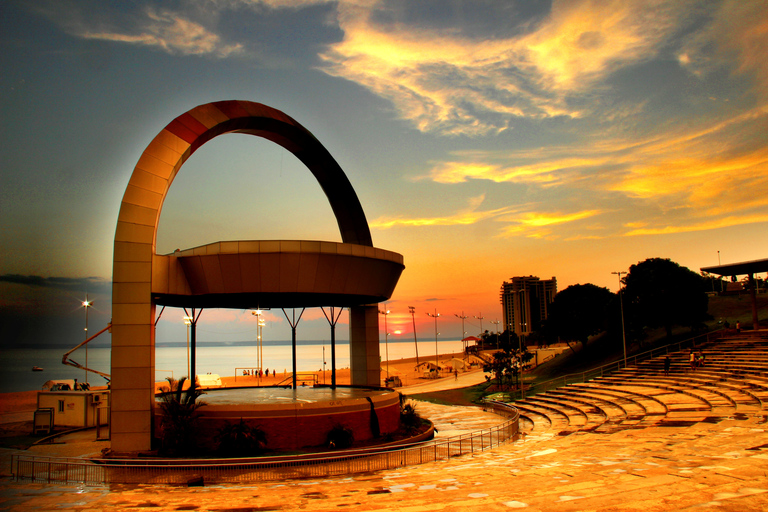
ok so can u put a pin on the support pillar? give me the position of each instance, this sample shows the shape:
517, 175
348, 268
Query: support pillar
365, 363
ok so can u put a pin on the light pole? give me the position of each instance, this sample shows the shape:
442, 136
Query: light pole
463, 332
188, 323
481, 323
621, 305
259, 329
412, 310
386, 337
86, 304
437, 364
496, 323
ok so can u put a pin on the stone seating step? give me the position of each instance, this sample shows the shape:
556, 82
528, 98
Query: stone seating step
576, 416
712, 398
641, 410
604, 415
558, 418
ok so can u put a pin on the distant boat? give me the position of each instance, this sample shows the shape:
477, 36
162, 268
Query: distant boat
36, 369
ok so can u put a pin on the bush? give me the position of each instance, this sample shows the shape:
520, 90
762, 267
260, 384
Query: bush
241, 439
409, 418
177, 427
340, 437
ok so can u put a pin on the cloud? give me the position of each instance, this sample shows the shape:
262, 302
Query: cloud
538, 224
736, 38
79, 284
701, 169
171, 33
446, 81
190, 32
465, 217
725, 222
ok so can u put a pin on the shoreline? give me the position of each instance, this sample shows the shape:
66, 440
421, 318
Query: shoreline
15, 404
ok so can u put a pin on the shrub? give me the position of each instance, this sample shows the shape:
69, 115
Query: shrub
340, 437
177, 427
241, 439
409, 417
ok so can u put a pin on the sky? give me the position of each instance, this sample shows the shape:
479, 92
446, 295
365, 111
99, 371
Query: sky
485, 139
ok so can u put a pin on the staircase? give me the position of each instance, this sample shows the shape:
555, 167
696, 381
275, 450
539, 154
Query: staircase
732, 384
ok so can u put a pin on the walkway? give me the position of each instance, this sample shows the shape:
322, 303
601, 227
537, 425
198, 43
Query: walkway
692, 441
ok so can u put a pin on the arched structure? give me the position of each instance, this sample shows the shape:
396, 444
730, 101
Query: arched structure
233, 274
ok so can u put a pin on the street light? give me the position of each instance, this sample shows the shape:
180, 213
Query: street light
481, 322
386, 338
496, 323
412, 311
621, 304
86, 304
259, 329
463, 332
437, 364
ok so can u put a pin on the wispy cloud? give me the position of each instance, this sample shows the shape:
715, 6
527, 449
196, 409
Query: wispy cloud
172, 33
448, 82
710, 170
736, 38
79, 284
467, 216
539, 224
725, 222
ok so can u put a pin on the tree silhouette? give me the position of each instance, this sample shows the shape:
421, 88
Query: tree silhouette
578, 312
661, 293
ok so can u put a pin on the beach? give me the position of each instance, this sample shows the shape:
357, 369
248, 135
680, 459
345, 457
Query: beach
20, 406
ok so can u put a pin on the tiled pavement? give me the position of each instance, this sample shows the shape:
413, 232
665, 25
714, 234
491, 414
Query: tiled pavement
699, 455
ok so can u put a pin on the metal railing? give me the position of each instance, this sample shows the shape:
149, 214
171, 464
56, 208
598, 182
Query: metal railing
609, 368
154, 471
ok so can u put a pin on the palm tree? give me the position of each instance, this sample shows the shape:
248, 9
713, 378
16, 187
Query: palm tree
177, 427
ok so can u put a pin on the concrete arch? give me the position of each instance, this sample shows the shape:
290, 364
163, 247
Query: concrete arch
133, 307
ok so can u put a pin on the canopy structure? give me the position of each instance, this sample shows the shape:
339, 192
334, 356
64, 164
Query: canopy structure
748, 268
237, 274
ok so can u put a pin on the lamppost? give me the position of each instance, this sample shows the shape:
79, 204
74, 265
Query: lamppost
188, 323
386, 337
86, 304
621, 304
412, 310
259, 329
437, 364
463, 332
481, 323
496, 323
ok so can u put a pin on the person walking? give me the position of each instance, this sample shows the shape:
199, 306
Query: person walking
667, 364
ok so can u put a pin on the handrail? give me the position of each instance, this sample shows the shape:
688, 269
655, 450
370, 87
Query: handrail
602, 370
100, 471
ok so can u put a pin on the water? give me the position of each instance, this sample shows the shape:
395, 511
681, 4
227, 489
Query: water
17, 374
283, 396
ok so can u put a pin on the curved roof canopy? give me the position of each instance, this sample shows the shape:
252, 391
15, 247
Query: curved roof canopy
738, 269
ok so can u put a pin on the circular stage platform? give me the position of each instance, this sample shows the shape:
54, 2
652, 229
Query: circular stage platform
299, 418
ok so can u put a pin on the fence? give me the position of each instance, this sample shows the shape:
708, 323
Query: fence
153, 471
606, 369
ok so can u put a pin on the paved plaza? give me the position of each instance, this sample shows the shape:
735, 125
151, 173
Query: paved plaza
701, 453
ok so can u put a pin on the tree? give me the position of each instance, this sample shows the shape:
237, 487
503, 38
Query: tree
177, 427
661, 293
578, 312
507, 364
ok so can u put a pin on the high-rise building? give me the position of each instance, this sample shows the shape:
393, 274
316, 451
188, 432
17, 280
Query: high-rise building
525, 303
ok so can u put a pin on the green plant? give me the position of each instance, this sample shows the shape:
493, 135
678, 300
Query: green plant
177, 427
409, 418
340, 437
241, 439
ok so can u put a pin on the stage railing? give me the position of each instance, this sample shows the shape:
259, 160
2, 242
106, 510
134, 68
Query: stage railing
175, 471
